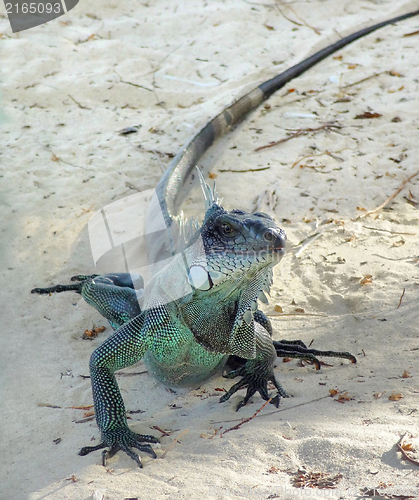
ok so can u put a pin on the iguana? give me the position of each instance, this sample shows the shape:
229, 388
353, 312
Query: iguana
228, 262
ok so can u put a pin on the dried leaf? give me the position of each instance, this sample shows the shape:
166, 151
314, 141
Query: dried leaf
273, 470
377, 395
367, 115
366, 280
54, 158
395, 396
344, 397
299, 310
333, 392
406, 374
89, 334
212, 175
407, 446
278, 308
93, 333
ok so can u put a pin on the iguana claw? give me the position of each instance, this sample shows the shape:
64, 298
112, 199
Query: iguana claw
123, 440
255, 382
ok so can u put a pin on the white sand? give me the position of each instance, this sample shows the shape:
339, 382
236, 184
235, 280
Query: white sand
196, 58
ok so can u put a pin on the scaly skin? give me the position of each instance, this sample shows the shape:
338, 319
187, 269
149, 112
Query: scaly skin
185, 340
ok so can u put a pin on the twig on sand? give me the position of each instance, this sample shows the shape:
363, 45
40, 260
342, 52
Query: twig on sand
275, 411
244, 420
401, 298
78, 104
302, 131
176, 440
390, 198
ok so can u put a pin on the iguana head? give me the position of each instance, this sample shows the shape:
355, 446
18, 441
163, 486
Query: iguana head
230, 262
234, 247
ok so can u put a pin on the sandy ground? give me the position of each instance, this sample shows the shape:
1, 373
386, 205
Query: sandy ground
68, 87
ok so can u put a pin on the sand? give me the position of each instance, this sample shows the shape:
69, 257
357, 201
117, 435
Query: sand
68, 87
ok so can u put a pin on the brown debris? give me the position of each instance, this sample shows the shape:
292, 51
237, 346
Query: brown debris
92, 334
342, 397
321, 480
395, 396
404, 447
412, 34
390, 198
412, 200
401, 298
366, 280
235, 427
176, 440
303, 131
367, 115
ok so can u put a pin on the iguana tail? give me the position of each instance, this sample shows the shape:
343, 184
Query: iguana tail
179, 175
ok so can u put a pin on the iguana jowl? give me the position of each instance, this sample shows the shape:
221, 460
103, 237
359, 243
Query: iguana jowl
184, 341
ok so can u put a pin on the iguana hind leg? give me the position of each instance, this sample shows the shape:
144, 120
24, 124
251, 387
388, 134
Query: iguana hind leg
124, 348
114, 296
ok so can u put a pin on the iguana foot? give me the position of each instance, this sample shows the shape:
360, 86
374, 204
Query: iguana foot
297, 349
57, 289
253, 381
83, 277
124, 440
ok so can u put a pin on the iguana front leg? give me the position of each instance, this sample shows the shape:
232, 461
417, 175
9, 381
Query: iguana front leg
256, 373
297, 349
124, 348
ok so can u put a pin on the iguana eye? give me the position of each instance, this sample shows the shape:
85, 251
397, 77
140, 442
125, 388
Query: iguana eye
227, 229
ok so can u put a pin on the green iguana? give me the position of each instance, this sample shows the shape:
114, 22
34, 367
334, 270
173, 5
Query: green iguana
217, 273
